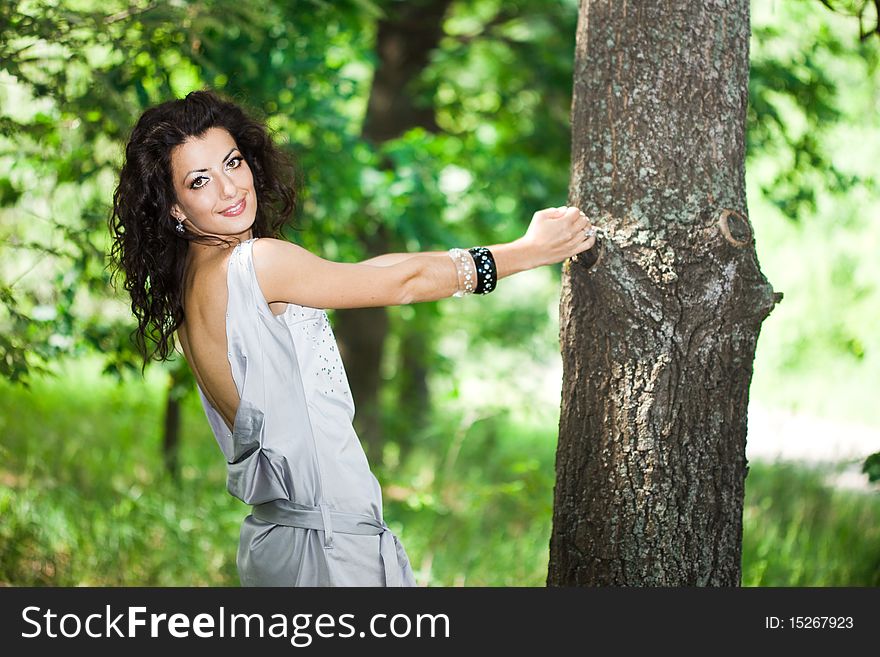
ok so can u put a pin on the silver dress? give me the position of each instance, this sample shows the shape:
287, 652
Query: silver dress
293, 452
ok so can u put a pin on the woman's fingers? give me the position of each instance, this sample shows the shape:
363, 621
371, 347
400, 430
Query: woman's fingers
588, 235
588, 230
573, 216
586, 245
582, 227
578, 225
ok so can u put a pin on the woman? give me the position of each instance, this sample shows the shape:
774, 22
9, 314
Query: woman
202, 196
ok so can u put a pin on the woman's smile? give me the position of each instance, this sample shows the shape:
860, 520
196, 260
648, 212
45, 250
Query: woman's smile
235, 210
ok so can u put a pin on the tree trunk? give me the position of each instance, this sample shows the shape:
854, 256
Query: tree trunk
416, 343
171, 430
404, 40
361, 334
180, 382
658, 335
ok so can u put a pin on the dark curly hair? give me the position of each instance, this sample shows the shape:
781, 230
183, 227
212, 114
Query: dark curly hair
146, 246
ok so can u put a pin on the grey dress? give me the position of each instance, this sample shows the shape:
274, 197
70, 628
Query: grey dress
293, 452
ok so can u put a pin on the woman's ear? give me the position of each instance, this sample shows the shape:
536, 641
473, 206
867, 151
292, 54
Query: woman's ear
177, 213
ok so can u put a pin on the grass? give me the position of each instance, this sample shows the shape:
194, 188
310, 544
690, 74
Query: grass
83, 500
799, 532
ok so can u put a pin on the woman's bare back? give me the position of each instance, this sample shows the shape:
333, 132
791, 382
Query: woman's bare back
202, 334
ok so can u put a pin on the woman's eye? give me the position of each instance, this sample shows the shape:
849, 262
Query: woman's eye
237, 159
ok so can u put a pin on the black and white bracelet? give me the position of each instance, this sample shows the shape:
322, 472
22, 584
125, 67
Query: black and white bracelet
486, 273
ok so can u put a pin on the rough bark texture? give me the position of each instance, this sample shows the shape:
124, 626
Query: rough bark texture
404, 40
659, 334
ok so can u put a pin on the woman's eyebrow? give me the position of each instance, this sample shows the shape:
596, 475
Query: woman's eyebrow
225, 157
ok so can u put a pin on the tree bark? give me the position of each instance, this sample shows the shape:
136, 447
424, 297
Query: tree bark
658, 333
405, 38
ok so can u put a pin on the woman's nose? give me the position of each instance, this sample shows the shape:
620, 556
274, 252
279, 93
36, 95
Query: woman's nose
227, 186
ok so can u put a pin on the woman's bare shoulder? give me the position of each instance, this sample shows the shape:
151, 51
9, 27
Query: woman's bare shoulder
272, 247
205, 283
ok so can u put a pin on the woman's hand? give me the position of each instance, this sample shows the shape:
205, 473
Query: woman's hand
558, 233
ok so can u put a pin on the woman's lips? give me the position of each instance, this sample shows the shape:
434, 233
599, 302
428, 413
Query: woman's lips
235, 210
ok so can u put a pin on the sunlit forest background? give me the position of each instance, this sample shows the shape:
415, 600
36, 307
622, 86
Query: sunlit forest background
86, 493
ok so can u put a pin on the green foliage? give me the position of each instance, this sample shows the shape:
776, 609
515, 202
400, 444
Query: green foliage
866, 12
811, 181
796, 98
79, 73
500, 83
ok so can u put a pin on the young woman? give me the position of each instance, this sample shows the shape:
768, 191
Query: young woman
202, 196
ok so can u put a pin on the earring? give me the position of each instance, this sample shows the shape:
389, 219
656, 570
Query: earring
179, 226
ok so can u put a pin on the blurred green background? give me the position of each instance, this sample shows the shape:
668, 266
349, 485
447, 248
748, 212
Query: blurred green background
85, 498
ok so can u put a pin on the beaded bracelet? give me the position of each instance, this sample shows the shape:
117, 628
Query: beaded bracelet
486, 274
466, 270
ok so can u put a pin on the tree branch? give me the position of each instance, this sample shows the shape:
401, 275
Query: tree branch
128, 13
860, 14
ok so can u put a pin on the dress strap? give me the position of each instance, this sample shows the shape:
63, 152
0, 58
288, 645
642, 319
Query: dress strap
243, 273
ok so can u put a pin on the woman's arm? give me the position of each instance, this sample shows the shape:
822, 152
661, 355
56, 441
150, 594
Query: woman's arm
387, 259
287, 272
436, 277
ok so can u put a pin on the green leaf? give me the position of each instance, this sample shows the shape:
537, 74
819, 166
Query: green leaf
871, 467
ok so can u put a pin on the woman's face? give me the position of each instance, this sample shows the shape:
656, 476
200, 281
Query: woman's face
214, 186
